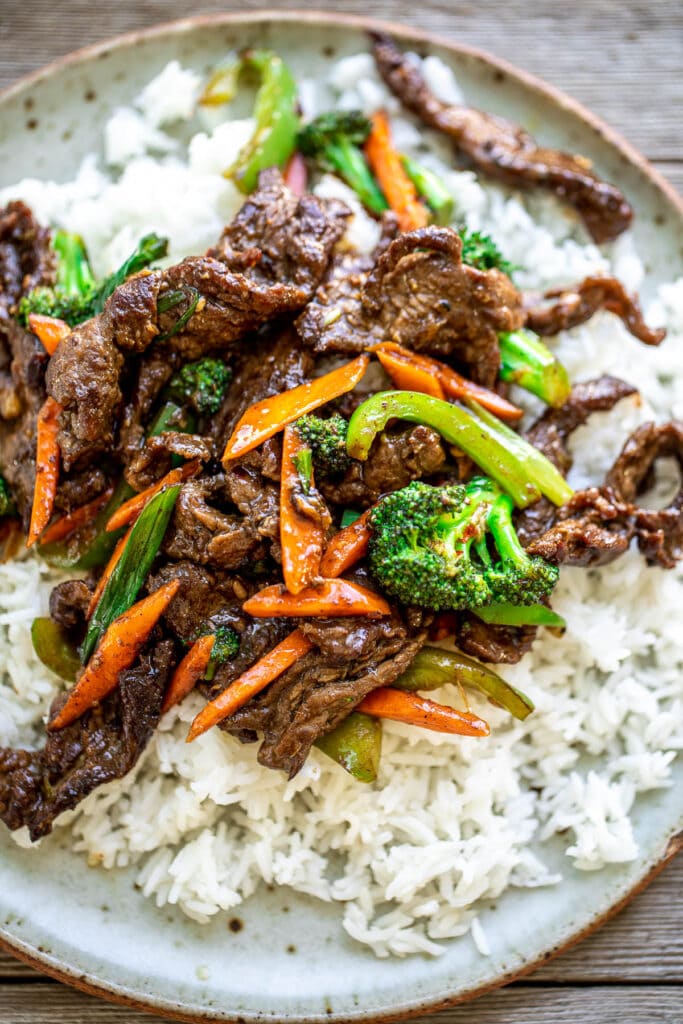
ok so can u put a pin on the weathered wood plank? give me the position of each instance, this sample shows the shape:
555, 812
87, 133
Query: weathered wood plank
621, 59
657, 1004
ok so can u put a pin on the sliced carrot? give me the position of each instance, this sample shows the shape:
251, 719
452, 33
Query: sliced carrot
117, 651
131, 509
402, 706
49, 330
73, 521
188, 673
388, 168
302, 538
251, 682
47, 469
346, 548
409, 375
331, 599
108, 570
296, 173
451, 382
266, 418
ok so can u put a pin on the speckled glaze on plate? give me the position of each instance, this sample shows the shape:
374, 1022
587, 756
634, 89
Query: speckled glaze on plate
283, 956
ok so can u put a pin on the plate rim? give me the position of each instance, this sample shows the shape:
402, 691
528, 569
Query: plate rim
33, 956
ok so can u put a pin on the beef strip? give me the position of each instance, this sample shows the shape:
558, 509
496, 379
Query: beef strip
421, 295
80, 489
155, 457
504, 150
576, 305
593, 528
69, 603
324, 686
498, 644
279, 236
103, 745
659, 531
26, 259
550, 434
394, 460
205, 596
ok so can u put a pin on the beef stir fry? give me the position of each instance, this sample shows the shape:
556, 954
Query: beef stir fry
248, 513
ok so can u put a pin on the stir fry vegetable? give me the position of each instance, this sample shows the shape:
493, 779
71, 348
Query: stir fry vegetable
356, 745
131, 509
526, 361
55, 648
432, 190
403, 706
132, 566
75, 520
327, 440
266, 418
398, 188
480, 251
48, 330
47, 469
201, 386
117, 651
188, 673
333, 140
522, 470
330, 599
303, 516
504, 614
346, 547
433, 667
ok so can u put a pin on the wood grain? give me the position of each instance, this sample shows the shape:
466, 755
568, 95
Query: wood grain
622, 59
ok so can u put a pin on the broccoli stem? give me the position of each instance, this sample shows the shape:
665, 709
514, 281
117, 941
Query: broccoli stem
73, 269
528, 362
500, 524
350, 164
517, 466
432, 189
547, 477
504, 614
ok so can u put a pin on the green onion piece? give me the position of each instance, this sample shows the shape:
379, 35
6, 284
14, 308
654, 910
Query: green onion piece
170, 299
182, 321
356, 745
526, 361
55, 648
132, 568
432, 189
432, 668
519, 615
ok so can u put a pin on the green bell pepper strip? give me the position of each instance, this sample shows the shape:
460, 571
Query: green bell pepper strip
432, 189
433, 667
131, 570
356, 745
277, 120
73, 269
547, 477
518, 467
526, 361
519, 615
55, 649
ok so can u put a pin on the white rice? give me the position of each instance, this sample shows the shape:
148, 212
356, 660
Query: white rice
451, 820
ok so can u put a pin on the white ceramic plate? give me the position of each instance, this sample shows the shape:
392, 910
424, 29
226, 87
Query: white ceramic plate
291, 959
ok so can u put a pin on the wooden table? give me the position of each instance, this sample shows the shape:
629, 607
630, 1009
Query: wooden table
623, 60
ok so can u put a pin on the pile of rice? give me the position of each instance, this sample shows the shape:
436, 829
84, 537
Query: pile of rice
451, 820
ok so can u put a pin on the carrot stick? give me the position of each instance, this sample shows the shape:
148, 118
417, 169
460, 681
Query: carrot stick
409, 375
73, 521
402, 706
388, 168
266, 418
452, 383
131, 509
251, 682
302, 538
188, 673
117, 651
108, 570
332, 598
296, 173
346, 548
47, 469
49, 330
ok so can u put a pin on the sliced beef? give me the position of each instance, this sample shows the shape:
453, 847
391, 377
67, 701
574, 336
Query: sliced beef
279, 236
26, 259
148, 378
504, 150
204, 596
576, 305
334, 320
79, 489
69, 603
323, 687
155, 458
498, 644
105, 744
395, 460
659, 531
593, 528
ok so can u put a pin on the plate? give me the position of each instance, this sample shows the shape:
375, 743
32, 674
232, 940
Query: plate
285, 957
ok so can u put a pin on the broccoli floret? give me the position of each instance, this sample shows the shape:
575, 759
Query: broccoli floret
333, 140
226, 647
480, 251
7, 506
327, 441
201, 386
454, 547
